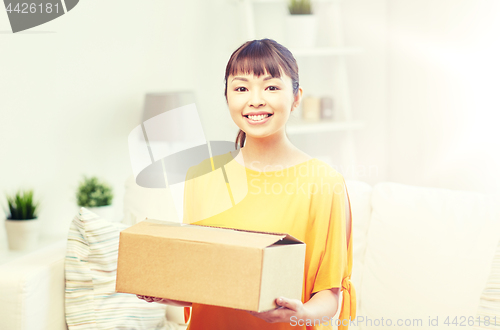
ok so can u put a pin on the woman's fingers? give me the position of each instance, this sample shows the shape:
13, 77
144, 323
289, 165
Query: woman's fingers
288, 303
149, 298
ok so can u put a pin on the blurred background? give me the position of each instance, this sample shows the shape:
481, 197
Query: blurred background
414, 86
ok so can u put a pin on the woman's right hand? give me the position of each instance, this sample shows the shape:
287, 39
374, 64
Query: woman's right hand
165, 301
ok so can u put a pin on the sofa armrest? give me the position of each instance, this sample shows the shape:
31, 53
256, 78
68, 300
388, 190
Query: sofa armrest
32, 290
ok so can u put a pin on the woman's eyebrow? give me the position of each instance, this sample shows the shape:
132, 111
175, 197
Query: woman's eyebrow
266, 78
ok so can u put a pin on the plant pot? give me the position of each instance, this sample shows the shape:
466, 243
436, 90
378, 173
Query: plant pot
106, 212
301, 31
22, 234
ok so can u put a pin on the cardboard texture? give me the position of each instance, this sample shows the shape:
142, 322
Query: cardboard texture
209, 265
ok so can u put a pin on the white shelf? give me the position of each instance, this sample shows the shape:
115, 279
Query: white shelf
325, 51
305, 127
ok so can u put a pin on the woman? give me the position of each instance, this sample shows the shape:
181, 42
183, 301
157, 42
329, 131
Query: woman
288, 191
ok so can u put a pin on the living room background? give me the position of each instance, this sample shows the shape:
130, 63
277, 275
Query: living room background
72, 90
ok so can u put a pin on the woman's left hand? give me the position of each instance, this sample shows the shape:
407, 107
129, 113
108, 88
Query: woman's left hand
287, 308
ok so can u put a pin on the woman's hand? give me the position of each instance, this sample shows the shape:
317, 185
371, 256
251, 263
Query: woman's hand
165, 301
287, 308
151, 299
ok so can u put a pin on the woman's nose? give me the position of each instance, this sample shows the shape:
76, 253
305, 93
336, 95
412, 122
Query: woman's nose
256, 99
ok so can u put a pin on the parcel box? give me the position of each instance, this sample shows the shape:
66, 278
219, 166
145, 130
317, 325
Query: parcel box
210, 265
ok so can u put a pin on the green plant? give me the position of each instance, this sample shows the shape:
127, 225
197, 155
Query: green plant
22, 206
92, 193
300, 7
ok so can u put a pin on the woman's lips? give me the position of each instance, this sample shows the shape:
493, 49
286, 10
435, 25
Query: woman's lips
257, 122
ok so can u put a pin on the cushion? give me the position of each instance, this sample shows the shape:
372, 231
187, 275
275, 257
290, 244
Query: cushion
488, 313
428, 252
90, 269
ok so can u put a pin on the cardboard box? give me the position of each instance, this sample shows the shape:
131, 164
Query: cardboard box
209, 265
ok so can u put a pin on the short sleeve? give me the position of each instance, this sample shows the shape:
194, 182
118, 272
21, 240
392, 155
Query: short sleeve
334, 260
336, 263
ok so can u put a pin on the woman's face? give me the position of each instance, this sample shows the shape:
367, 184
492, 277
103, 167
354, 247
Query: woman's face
271, 99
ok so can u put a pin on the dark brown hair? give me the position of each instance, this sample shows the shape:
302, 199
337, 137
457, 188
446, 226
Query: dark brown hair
257, 57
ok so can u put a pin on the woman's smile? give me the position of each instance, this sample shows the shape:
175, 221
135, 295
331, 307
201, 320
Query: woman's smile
258, 119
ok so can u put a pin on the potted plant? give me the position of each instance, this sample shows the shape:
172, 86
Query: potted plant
97, 196
301, 24
22, 225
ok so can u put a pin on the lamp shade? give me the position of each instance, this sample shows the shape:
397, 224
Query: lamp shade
171, 125
171, 119
157, 103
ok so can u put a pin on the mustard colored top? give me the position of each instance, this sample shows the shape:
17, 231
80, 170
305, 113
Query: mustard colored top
307, 201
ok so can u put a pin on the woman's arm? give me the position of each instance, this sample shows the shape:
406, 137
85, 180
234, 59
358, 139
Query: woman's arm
323, 303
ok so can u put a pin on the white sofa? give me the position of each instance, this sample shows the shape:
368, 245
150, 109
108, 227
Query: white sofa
419, 253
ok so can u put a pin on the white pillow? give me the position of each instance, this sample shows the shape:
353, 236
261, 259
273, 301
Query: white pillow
90, 270
428, 253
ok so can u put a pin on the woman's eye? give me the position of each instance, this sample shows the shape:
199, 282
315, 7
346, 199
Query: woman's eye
238, 89
275, 88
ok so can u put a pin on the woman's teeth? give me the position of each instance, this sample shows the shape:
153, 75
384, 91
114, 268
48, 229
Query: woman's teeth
258, 117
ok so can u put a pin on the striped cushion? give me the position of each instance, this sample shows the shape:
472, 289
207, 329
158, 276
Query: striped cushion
489, 305
90, 269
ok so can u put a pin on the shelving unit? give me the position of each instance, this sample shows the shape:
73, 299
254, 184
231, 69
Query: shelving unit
340, 94
322, 126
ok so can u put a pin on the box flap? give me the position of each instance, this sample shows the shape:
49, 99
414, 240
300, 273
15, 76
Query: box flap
218, 235
286, 238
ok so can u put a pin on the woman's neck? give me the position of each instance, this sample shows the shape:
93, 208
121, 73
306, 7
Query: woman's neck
270, 152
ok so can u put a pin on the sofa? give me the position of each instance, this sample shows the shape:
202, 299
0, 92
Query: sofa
420, 253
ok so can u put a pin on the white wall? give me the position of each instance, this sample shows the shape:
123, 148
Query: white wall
72, 89
365, 26
443, 93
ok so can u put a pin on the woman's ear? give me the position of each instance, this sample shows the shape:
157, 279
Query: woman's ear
297, 98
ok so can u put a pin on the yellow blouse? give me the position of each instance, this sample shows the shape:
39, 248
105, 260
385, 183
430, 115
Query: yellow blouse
306, 200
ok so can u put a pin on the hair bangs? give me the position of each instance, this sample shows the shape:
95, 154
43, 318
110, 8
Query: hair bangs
257, 60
